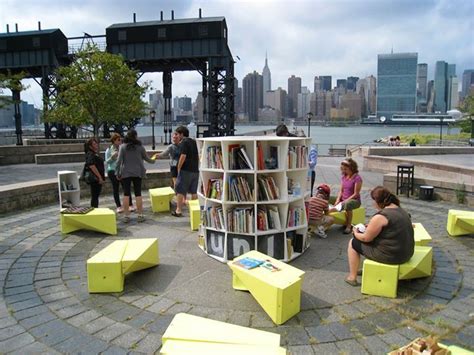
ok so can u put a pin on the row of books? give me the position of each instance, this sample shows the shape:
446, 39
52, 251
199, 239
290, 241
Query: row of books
297, 157
238, 158
214, 157
239, 189
267, 188
214, 189
214, 217
240, 220
268, 218
272, 161
296, 216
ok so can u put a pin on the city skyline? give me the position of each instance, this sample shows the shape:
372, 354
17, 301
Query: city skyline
303, 38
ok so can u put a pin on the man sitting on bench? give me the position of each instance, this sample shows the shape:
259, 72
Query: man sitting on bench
388, 238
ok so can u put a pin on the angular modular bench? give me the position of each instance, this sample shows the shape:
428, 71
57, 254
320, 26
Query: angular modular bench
278, 292
422, 237
106, 270
460, 223
160, 198
99, 219
194, 214
382, 279
188, 334
358, 216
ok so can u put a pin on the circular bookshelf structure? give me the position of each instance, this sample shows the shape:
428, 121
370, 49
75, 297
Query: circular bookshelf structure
252, 195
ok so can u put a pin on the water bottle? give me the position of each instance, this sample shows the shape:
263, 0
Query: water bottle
297, 189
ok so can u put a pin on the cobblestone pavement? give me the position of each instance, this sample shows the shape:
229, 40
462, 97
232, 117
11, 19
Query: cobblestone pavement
45, 306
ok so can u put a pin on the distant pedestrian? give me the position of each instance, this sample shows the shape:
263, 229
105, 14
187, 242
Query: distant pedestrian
111, 156
313, 161
282, 131
172, 152
397, 141
413, 143
130, 169
391, 141
95, 166
188, 169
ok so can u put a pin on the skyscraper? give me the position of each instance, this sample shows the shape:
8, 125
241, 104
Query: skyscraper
322, 83
444, 74
422, 81
467, 81
352, 82
303, 105
294, 88
252, 95
396, 76
317, 84
267, 77
341, 83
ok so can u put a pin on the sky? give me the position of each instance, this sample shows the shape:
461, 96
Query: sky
340, 38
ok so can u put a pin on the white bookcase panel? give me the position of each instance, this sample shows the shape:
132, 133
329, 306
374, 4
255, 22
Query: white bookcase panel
68, 188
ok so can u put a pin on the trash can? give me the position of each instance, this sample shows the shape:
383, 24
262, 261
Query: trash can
426, 193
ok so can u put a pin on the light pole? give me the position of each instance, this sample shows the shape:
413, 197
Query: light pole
441, 131
309, 116
152, 116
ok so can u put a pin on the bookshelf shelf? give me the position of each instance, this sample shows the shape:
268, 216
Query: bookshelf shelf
68, 188
255, 171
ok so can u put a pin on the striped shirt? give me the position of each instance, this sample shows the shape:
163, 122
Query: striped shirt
317, 207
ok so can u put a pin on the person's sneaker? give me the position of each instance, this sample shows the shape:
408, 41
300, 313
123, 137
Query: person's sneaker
132, 209
321, 232
119, 209
141, 218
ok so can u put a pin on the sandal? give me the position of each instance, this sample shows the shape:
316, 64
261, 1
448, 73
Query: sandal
352, 282
141, 218
176, 214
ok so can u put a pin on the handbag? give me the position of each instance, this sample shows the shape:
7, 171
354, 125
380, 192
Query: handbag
88, 176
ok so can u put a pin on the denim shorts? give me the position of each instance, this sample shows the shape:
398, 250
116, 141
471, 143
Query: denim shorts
187, 182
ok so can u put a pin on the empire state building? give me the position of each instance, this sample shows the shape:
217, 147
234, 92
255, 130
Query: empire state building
267, 77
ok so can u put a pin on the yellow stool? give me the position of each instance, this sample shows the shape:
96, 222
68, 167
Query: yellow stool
188, 334
422, 237
460, 223
382, 279
194, 214
278, 292
99, 219
106, 270
358, 216
160, 198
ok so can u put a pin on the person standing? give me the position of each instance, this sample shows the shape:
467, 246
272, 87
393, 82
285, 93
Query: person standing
111, 155
313, 160
95, 165
130, 169
188, 169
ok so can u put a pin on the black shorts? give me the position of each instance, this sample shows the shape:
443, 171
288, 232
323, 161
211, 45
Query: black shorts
357, 245
137, 186
174, 171
187, 182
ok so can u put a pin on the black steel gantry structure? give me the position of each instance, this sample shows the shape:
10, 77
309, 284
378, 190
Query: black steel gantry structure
197, 44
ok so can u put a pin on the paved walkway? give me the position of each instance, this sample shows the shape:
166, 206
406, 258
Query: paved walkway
45, 306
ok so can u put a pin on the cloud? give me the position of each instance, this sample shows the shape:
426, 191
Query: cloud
303, 37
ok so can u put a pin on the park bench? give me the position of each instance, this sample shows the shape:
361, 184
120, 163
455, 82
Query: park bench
358, 216
277, 292
106, 270
189, 334
160, 198
382, 279
194, 214
460, 223
99, 219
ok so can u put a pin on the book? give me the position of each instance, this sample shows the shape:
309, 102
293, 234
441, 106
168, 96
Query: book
267, 188
248, 263
238, 158
297, 157
337, 207
240, 220
77, 210
214, 189
214, 157
260, 161
268, 218
239, 189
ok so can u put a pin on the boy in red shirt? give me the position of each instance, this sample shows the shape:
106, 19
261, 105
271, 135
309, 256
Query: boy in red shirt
319, 220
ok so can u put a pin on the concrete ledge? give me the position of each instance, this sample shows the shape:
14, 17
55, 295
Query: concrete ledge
443, 190
26, 195
445, 172
423, 150
55, 158
26, 154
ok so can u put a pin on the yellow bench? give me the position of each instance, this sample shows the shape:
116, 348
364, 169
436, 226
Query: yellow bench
422, 237
358, 216
278, 292
460, 222
160, 198
188, 334
194, 214
106, 270
382, 279
99, 219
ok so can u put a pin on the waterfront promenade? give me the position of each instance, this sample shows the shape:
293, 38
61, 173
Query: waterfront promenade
45, 306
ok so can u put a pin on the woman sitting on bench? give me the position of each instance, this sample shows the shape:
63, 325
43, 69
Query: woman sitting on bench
388, 238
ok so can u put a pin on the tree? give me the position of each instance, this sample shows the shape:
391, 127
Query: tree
467, 107
11, 82
97, 88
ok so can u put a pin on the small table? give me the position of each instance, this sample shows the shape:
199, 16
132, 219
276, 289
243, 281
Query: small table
405, 178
